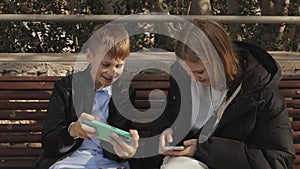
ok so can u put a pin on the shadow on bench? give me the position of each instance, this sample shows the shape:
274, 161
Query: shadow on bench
24, 100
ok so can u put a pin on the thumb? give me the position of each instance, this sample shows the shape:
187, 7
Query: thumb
191, 142
134, 134
135, 138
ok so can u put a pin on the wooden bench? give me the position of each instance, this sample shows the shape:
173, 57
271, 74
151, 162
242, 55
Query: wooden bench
24, 100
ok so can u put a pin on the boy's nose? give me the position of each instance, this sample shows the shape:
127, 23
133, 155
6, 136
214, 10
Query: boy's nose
112, 71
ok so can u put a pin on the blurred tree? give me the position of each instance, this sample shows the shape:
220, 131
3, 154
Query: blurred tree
70, 37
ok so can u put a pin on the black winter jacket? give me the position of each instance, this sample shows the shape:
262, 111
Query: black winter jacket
64, 109
254, 131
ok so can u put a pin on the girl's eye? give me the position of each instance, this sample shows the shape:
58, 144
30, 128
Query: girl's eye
199, 72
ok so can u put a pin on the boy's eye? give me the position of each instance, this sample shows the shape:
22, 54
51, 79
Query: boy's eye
105, 64
119, 66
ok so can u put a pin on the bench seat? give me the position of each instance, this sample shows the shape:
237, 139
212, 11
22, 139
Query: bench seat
24, 101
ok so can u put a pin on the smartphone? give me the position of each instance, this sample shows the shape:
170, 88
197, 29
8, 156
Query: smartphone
105, 130
173, 148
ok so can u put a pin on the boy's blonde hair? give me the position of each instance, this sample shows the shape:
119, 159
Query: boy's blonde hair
222, 43
112, 39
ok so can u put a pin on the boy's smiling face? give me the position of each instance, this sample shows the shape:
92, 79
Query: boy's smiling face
107, 71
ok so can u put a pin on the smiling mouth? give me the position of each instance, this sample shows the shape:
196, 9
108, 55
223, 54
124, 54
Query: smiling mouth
108, 78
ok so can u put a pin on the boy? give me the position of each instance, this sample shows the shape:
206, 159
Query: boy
69, 143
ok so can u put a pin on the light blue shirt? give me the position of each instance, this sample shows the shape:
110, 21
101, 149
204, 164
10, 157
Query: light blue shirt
90, 154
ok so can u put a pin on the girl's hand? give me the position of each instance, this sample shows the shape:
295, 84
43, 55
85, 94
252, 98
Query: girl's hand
189, 150
121, 147
164, 139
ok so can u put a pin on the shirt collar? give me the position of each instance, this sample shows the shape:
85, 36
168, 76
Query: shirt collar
106, 89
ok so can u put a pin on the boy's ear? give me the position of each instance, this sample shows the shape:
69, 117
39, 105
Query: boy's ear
88, 55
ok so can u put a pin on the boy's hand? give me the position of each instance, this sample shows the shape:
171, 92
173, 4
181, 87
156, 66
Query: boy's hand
80, 130
164, 139
189, 150
121, 147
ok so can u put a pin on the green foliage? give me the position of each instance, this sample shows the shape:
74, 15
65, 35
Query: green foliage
69, 37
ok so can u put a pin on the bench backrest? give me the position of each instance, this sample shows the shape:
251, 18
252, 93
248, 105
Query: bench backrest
24, 100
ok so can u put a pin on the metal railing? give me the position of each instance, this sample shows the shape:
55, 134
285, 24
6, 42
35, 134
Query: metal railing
150, 18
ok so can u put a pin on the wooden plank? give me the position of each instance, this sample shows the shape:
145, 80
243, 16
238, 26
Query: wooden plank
293, 103
150, 85
18, 163
21, 127
13, 115
297, 148
23, 105
145, 104
30, 78
296, 125
144, 95
288, 84
290, 77
290, 92
295, 113
147, 77
297, 160
25, 95
20, 138
26, 85
21, 152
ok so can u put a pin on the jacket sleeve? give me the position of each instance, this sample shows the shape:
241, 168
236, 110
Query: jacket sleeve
269, 147
56, 139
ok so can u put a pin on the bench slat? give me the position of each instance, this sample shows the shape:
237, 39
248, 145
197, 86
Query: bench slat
18, 163
29, 78
296, 125
26, 85
40, 88
25, 95
293, 103
145, 104
21, 138
19, 152
21, 127
288, 84
144, 95
291, 92
23, 105
12, 115
295, 113
150, 85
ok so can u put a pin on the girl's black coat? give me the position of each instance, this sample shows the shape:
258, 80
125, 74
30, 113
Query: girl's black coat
254, 131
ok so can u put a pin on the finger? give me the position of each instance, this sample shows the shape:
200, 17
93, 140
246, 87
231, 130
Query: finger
135, 138
120, 141
191, 142
169, 138
88, 129
177, 153
119, 150
162, 143
82, 134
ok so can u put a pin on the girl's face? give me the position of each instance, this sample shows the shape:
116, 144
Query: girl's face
198, 71
107, 71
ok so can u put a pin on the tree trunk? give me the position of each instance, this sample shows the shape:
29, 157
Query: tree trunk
233, 9
296, 38
108, 6
274, 32
200, 7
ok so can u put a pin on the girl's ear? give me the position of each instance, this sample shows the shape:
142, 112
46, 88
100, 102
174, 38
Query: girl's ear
88, 55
